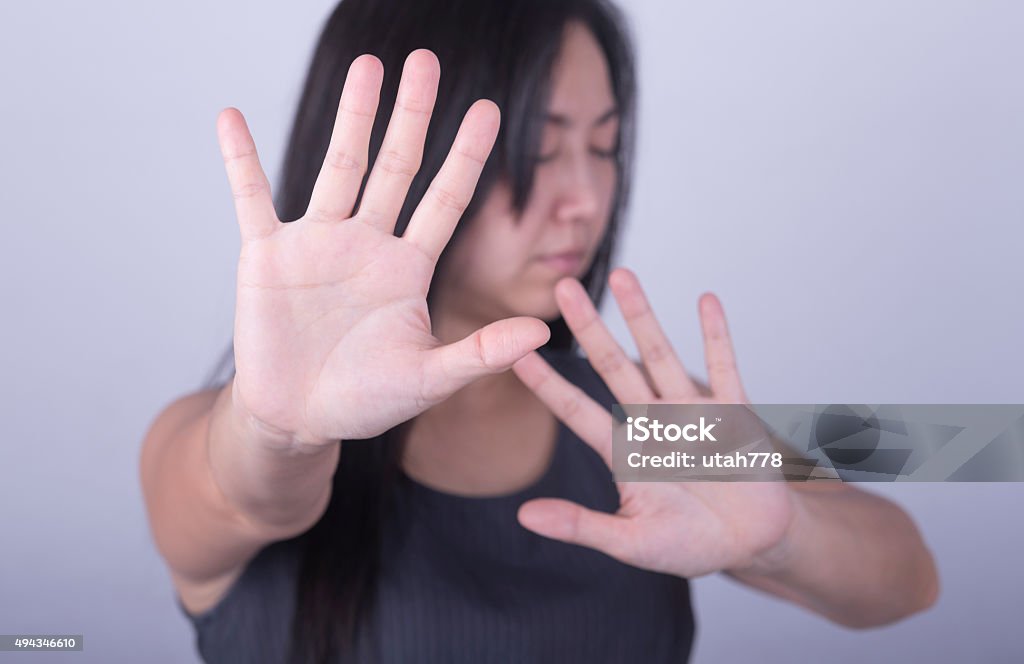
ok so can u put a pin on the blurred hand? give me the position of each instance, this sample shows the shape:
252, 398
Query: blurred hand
332, 335
682, 528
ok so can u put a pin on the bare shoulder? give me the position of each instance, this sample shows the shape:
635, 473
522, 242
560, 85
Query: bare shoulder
171, 420
166, 428
182, 410
199, 597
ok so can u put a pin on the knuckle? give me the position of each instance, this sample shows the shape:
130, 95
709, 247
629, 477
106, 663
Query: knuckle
427, 388
657, 352
481, 350
397, 163
570, 407
608, 362
414, 105
639, 309
353, 110
470, 156
445, 198
249, 190
239, 156
343, 160
718, 335
721, 366
319, 212
593, 321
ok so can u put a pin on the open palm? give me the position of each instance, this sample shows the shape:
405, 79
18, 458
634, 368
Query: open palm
332, 333
682, 528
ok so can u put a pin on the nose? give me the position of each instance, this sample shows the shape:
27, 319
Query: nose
577, 196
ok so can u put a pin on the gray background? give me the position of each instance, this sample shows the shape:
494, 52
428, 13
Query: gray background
845, 175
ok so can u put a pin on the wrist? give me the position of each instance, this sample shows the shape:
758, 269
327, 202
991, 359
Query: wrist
265, 436
272, 485
781, 556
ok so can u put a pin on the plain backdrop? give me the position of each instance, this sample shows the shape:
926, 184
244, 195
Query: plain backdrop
847, 176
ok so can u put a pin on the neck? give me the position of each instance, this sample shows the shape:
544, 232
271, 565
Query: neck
491, 437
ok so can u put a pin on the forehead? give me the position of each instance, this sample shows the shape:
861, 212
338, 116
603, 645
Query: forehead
581, 85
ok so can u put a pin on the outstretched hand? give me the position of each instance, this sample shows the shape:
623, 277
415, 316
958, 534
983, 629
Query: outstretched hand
332, 334
684, 528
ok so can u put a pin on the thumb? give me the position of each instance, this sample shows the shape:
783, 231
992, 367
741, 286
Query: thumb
569, 522
490, 350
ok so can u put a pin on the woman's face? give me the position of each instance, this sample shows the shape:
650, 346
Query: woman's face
506, 264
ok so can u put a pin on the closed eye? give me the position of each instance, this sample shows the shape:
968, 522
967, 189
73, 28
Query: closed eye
600, 153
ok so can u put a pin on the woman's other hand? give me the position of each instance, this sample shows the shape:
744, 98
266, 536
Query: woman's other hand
684, 528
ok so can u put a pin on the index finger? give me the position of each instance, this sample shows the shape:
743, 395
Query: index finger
587, 418
604, 353
667, 371
401, 153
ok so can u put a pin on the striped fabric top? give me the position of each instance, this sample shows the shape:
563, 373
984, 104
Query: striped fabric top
462, 581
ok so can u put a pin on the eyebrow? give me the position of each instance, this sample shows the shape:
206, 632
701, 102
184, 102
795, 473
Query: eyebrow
563, 121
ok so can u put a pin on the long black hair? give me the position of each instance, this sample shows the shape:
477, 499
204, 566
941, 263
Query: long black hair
502, 50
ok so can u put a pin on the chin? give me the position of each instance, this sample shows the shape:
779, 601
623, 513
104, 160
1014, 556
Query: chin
540, 305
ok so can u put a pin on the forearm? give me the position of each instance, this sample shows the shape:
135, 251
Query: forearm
854, 557
207, 523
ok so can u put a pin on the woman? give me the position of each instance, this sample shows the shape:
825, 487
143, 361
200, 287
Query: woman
374, 483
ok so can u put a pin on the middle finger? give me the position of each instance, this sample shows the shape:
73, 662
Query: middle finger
402, 150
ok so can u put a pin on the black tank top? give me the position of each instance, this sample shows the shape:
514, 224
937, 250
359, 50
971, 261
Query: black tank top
461, 581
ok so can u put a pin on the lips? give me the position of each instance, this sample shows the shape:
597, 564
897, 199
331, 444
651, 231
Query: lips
565, 262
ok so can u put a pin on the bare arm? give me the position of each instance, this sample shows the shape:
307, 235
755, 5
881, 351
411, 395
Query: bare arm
850, 555
853, 557
332, 337
217, 490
